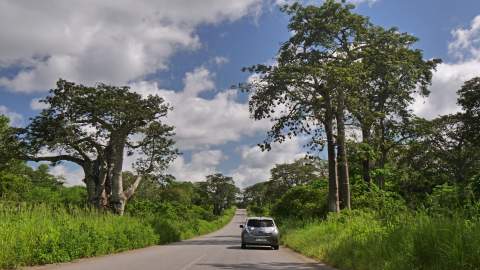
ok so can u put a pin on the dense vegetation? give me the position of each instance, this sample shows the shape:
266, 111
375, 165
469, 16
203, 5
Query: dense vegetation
397, 191
44, 221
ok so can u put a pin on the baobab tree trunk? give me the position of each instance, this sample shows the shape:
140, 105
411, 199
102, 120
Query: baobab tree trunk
89, 180
366, 163
333, 202
383, 156
100, 190
118, 199
342, 160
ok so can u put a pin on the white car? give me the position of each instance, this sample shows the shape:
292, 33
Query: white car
260, 231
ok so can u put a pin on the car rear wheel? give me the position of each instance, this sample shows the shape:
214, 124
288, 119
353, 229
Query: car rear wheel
275, 247
244, 246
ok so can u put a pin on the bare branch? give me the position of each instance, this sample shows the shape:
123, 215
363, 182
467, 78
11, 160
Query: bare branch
131, 190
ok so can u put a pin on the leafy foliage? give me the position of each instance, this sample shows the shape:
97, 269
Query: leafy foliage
301, 203
93, 127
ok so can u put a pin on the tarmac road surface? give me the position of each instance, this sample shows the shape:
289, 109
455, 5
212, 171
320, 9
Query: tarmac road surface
218, 250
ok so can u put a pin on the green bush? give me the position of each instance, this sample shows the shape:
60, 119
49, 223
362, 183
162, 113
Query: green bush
370, 197
301, 202
256, 210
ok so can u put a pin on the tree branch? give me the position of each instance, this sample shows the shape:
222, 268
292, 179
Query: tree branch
131, 190
57, 158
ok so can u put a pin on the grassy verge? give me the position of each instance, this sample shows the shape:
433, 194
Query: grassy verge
360, 240
32, 235
172, 229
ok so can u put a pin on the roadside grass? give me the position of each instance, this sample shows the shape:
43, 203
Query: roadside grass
361, 240
172, 229
42, 234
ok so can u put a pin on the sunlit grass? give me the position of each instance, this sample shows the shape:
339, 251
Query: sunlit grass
32, 235
411, 241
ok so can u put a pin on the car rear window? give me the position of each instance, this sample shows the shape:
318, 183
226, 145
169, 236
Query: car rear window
260, 223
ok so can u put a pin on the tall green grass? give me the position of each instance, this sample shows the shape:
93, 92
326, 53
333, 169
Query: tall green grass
41, 234
360, 240
171, 229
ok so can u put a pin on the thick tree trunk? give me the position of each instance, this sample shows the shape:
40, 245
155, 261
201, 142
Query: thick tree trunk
366, 163
383, 156
342, 160
381, 165
118, 198
89, 181
333, 202
101, 193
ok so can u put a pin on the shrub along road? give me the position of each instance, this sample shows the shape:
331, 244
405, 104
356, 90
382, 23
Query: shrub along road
219, 250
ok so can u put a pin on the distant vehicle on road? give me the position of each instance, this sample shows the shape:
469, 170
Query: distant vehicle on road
260, 231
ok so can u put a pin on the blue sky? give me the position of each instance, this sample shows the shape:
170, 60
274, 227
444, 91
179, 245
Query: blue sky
191, 52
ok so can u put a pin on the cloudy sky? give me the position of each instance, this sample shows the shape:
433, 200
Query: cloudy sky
191, 52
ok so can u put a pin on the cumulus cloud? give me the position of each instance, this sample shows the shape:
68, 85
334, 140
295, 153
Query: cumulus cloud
200, 122
16, 119
466, 43
203, 163
73, 175
109, 41
255, 165
449, 77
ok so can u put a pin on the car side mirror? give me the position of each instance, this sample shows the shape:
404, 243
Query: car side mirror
241, 226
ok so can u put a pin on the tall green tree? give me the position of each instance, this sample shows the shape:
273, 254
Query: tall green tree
305, 92
393, 73
96, 127
221, 191
9, 145
445, 150
300, 172
469, 99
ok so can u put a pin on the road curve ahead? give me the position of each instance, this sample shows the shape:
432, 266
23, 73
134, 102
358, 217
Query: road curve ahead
218, 250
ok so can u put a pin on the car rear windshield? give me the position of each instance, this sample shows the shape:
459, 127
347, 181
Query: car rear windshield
260, 223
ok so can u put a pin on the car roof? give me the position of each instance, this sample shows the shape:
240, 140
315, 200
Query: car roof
268, 218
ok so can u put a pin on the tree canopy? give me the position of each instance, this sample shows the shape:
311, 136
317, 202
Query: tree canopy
96, 128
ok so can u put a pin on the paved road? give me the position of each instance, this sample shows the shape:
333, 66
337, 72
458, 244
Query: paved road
218, 250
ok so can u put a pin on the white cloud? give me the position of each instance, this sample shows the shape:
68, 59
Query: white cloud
203, 163
466, 42
255, 165
200, 122
109, 41
16, 119
198, 81
449, 77
73, 175
220, 60
35, 104
446, 81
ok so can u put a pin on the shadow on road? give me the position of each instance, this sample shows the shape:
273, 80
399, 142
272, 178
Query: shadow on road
208, 242
250, 247
266, 266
